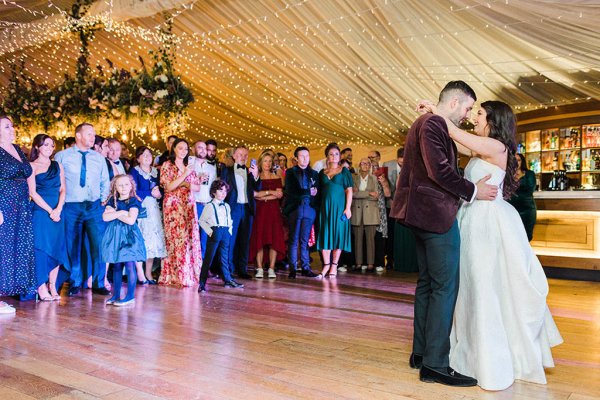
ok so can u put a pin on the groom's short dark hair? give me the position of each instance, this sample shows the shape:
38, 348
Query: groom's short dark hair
453, 87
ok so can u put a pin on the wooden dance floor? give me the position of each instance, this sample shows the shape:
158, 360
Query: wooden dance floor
303, 339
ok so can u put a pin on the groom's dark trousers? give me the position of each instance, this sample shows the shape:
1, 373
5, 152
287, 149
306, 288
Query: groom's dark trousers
435, 296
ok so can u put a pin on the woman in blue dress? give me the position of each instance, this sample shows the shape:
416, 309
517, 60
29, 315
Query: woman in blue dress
17, 270
146, 181
334, 215
47, 190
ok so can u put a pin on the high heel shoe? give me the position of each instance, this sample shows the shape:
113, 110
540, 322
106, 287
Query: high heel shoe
334, 275
324, 272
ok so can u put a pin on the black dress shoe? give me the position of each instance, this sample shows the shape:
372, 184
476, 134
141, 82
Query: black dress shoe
74, 291
103, 291
244, 275
233, 284
292, 274
308, 273
449, 377
415, 361
202, 288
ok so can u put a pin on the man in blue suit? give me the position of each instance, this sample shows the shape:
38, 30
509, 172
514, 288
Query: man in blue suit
243, 182
301, 204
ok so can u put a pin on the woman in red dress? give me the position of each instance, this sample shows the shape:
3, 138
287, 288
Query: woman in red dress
267, 230
181, 267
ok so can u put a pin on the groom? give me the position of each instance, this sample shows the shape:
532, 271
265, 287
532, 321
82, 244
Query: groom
426, 200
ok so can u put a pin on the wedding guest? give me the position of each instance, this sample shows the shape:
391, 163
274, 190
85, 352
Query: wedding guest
101, 146
87, 183
335, 211
382, 231
145, 177
125, 158
207, 173
267, 230
393, 170
211, 156
216, 221
346, 155
243, 182
47, 190
182, 264
301, 204
160, 160
17, 266
68, 142
114, 155
523, 199
283, 162
123, 244
365, 214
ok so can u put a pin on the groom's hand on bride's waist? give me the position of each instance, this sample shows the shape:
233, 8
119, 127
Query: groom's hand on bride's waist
486, 191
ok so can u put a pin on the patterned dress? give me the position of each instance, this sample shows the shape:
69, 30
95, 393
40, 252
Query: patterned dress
152, 225
17, 268
182, 264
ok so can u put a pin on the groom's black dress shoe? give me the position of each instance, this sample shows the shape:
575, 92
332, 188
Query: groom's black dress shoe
449, 377
415, 361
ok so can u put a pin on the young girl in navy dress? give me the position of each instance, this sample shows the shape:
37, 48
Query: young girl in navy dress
123, 243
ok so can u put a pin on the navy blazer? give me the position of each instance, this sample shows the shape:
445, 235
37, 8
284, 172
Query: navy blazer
228, 175
294, 192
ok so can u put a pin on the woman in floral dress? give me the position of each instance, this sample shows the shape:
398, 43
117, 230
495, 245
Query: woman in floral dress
177, 177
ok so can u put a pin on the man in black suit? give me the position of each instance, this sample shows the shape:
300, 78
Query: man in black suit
243, 182
301, 203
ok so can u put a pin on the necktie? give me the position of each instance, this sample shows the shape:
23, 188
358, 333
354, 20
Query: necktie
303, 182
241, 166
83, 172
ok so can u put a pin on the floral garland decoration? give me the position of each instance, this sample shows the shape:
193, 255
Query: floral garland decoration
154, 96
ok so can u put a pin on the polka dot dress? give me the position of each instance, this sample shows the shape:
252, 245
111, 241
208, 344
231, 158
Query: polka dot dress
17, 268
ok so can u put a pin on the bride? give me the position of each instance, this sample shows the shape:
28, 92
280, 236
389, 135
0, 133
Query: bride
503, 329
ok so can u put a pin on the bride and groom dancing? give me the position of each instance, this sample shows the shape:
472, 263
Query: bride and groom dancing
495, 327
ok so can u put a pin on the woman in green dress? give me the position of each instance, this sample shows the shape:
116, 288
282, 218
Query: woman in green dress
334, 216
523, 200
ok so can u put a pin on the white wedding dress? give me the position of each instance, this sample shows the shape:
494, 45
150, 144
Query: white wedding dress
503, 329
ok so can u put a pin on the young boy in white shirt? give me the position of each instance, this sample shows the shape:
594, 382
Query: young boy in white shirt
216, 221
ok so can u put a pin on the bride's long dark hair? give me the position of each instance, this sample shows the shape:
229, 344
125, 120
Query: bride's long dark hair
503, 126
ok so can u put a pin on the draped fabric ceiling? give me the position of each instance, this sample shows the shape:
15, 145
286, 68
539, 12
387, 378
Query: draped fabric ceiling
276, 73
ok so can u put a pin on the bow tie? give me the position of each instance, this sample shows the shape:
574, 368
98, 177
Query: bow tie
117, 162
240, 166
221, 204
211, 162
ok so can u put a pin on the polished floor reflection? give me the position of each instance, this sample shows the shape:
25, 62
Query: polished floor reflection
332, 339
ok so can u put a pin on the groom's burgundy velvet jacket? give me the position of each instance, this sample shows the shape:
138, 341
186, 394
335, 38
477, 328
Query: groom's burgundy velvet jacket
429, 187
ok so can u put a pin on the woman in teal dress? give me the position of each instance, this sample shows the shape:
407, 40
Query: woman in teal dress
47, 190
523, 200
334, 215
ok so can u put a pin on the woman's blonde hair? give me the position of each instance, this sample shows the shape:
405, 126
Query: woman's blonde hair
264, 154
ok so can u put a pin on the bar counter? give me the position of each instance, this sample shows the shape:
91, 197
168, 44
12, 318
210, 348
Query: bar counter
567, 231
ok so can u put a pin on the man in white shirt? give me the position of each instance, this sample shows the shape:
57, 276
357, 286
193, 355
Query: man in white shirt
207, 174
243, 182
